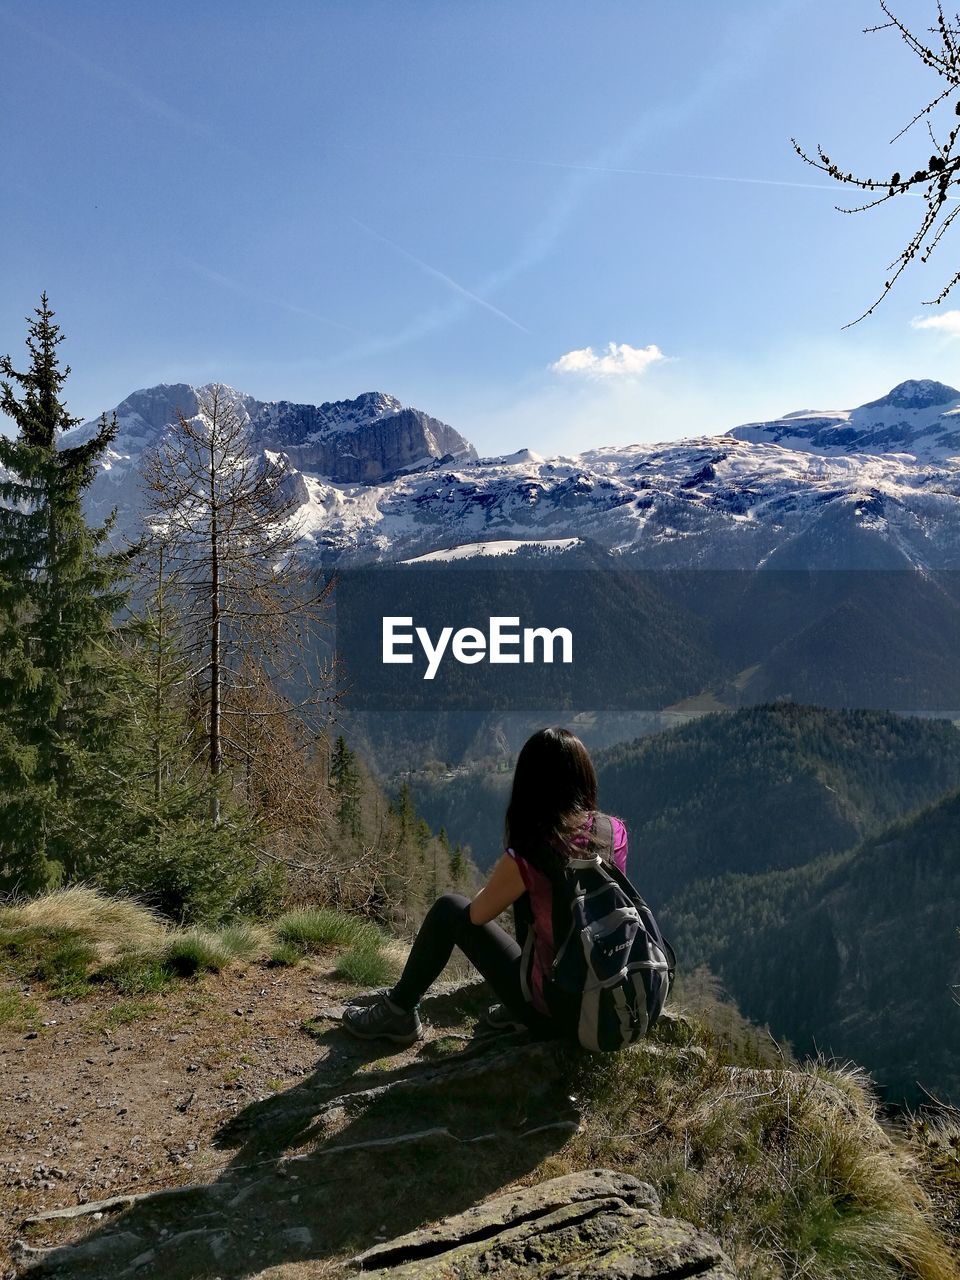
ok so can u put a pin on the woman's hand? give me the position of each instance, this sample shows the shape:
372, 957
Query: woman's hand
504, 886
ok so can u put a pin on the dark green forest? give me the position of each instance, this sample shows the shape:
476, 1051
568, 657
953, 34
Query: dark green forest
855, 955
764, 787
770, 787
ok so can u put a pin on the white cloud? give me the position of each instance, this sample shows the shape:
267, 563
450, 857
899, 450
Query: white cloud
947, 323
619, 360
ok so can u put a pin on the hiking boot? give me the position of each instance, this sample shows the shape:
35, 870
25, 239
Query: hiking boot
383, 1020
369, 997
501, 1018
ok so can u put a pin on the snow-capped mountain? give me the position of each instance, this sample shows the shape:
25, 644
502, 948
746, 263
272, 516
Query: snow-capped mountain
710, 502
877, 486
366, 440
921, 419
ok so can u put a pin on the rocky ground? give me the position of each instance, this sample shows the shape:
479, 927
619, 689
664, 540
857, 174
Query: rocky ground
107, 1097
231, 1095
229, 1128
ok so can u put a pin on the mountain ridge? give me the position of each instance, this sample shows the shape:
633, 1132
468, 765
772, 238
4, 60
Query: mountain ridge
919, 417
853, 954
381, 481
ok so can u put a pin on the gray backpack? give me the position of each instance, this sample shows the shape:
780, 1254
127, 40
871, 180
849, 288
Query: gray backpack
613, 968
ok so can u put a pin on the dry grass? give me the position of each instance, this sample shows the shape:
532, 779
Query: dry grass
70, 937
789, 1167
115, 926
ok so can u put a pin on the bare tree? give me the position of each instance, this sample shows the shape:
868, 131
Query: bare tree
226, 518
936, 177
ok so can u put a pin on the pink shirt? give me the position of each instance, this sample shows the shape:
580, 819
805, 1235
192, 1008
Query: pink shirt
541, 904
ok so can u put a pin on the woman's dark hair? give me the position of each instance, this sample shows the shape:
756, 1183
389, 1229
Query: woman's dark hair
554, 789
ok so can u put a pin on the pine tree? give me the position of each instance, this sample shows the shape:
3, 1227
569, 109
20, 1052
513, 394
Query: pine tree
458, 866
404, 811
347, 786
59, 589
149, 829
341, 762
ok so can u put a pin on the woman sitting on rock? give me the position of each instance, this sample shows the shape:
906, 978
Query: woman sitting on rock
551, 816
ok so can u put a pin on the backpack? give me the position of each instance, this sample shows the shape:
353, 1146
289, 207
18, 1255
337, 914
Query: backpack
613, 968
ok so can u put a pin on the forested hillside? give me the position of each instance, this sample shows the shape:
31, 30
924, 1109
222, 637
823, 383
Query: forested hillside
770, 787
856, 955
471, 806
167, 732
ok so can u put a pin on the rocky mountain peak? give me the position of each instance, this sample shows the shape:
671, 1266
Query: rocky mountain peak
361, 441
917, 417
916, 393
151, 410
375, 404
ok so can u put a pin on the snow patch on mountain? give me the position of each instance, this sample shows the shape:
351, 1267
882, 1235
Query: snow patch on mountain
503, 547
522, 457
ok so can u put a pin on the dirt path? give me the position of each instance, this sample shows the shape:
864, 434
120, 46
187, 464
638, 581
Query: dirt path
225, 1086
109, 1096
251, 1137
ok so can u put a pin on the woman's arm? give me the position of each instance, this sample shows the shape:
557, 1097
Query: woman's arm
504, 886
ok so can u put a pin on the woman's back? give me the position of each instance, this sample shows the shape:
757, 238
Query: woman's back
539, 943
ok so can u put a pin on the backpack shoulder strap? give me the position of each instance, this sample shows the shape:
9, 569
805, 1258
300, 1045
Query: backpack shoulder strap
603, 836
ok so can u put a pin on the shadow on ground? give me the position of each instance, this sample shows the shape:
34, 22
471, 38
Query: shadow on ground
365, 1148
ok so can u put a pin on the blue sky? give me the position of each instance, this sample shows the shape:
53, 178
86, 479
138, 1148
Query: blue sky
445, 200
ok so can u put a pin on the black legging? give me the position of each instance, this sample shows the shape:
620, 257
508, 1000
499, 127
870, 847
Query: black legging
488, 948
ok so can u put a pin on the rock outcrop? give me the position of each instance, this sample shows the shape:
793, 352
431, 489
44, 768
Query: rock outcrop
598, 1223
360, 441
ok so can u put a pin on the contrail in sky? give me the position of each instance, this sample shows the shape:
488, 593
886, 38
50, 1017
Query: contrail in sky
440, 275
147, 101
658, 173
649, 173
751, 44
235, 286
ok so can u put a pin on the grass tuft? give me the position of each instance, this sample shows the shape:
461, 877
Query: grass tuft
243, 940
58, 956
197, 951
136, 975
114, 925
324, 928
366, 966
211, 950
789, 1166
17, 1013
285, 955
